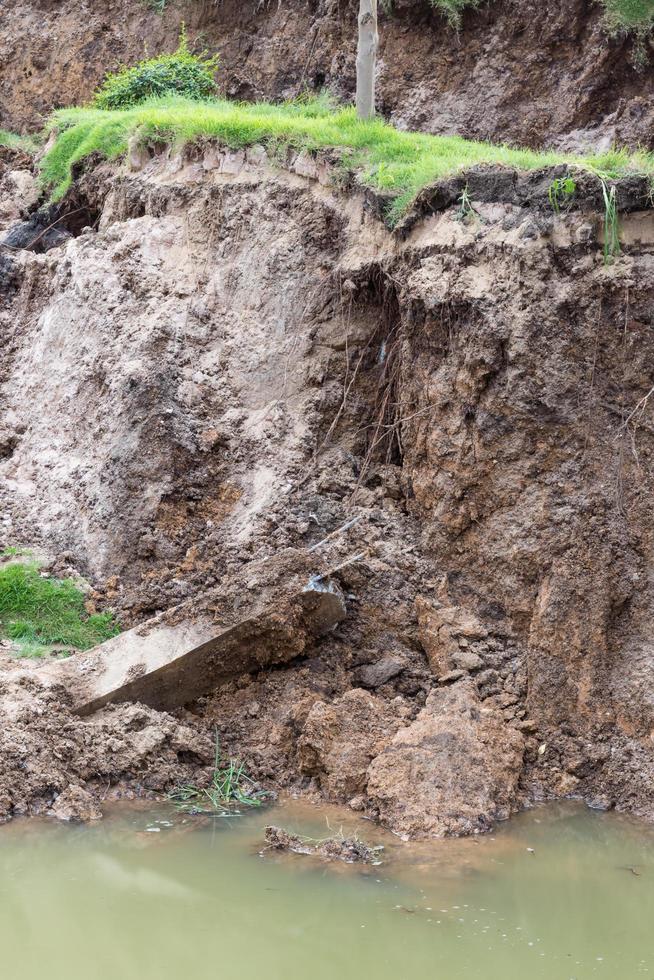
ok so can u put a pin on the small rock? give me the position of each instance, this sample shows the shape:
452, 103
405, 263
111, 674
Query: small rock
374, 675
454, 675
600, 803
467, 660
527, 725
76, 805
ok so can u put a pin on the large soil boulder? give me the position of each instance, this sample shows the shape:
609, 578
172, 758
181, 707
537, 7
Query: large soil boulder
341, 739
455, 770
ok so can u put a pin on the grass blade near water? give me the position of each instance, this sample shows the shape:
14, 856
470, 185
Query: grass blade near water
230, 787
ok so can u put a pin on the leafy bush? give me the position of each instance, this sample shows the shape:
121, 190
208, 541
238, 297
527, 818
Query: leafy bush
180, 73
42, 611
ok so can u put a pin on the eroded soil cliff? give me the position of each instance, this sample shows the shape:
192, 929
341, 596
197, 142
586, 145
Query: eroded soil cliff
235, 357
534, 72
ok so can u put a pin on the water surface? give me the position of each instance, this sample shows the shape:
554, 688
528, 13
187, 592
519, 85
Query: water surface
559, 892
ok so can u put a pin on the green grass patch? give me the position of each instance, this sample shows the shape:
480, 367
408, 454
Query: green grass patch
399, 163
629, 15
230, 787
12, 140
39, 612
636, 19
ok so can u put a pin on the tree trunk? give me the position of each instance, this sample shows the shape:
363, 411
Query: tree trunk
367, 58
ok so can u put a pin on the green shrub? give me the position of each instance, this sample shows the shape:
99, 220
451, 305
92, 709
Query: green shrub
180, 73
39, 611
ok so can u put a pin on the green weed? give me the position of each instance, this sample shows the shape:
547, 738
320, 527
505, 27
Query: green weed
611, 223
561, 191
230, 788
452, 9
382, 157
466, 210
39, 612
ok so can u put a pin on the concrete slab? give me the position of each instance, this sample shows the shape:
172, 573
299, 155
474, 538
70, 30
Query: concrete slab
266, 615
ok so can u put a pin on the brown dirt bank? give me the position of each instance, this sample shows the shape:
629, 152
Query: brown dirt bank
535, 72
240, 359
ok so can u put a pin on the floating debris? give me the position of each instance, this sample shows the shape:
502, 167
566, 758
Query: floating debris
349, 849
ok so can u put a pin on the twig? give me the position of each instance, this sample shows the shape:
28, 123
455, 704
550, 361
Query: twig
640, 407
339, 530
308, 61
344, 564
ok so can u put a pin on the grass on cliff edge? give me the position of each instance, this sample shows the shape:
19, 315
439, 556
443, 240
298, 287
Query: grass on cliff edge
401, 163
38, 612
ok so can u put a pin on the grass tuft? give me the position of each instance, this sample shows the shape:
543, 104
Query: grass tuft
230, 788
15, 551
453, 9
28, 144
384, 158
39, 612
611, 224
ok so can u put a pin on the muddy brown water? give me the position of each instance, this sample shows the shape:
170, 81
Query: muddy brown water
559, 892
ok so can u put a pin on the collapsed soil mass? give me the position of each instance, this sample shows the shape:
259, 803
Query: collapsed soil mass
234, 358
